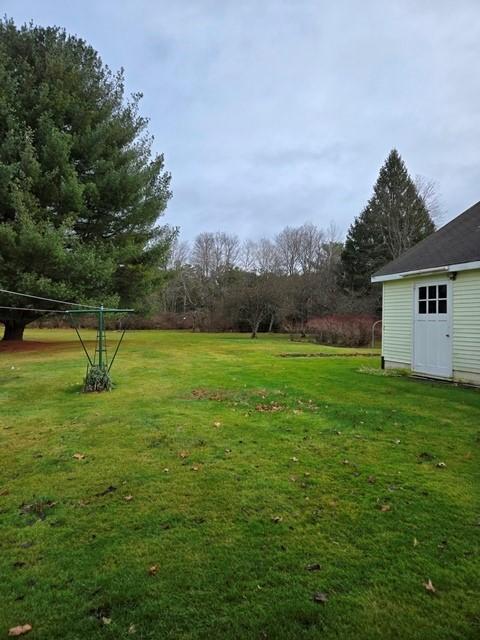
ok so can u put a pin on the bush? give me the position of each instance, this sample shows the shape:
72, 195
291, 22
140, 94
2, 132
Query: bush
97, 379
342, 330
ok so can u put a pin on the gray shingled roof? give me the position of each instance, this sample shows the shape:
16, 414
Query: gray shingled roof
456, 242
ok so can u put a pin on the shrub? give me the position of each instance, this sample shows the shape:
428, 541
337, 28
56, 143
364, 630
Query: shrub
97, 379
342, 330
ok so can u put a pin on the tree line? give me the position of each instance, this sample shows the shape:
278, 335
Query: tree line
302, 272
81, 195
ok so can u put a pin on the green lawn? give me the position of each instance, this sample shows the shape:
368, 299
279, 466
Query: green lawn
244, 468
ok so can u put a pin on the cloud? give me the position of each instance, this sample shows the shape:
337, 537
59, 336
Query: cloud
275, 112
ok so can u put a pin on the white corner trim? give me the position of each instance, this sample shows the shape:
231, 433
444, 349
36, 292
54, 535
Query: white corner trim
463, 266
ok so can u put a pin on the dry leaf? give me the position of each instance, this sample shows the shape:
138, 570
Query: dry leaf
219, 424
385, 507
106, 620
132, 629
183, 454
79, 456
153, 570
313, 567
415, 542
4, 492
441, 465
165, 470
20, 630
371, 479
277, 519
346, 462
195, 468
294, 459
320, 597
128, 498
429, 586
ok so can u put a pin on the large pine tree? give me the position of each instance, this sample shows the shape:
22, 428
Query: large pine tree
80, 191
396, 217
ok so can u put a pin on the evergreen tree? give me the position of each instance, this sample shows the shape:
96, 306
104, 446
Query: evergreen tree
80, 192
396, 218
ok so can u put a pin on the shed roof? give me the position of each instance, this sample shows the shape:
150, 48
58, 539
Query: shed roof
455, 243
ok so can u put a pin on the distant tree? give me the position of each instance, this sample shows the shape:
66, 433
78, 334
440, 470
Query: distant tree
395, 218
80, 192
255, 299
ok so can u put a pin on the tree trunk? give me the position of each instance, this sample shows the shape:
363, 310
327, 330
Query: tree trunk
270, 326
14, 329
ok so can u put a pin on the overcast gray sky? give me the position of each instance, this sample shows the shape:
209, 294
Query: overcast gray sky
276, 112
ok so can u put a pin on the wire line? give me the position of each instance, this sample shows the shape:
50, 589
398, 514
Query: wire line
30, 309
26, 295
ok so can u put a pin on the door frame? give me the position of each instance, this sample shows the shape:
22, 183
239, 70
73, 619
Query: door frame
425, 283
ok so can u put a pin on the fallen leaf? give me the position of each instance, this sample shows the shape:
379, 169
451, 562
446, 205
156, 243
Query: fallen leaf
183, 454
415, 542
346, 462
194, 468
106, 620
132, 629
153, 570
320, 598
165, 470
20, 630
397, 441
441, 465
128, 498
294, 459
313, 567
4, 492
219, 424
429, 586
79, 456
385, 507
277, 519
371, 479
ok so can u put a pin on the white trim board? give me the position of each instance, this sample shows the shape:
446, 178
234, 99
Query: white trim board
451, 268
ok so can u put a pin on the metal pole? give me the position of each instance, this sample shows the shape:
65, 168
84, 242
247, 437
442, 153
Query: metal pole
373, 333
100, 337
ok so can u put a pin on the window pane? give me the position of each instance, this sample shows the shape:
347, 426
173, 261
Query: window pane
442, 306
422, 306
432, 292
432, 306
422, 293
442, 290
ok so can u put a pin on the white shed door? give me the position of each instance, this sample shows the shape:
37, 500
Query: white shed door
432, 344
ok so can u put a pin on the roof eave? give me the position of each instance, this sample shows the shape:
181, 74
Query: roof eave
464, 266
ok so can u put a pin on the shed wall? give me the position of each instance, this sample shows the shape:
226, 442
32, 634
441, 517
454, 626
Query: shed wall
397, 321
466, 322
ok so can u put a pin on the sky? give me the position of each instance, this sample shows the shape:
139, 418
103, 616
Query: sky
279, 112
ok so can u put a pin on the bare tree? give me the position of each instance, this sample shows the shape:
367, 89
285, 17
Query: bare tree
288, 243
428, 192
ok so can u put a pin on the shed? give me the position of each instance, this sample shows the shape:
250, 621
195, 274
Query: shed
431, 303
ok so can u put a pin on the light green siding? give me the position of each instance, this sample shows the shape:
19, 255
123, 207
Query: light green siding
466, 321
397, 321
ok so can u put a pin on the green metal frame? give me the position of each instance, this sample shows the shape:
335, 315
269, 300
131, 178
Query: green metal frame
100, 358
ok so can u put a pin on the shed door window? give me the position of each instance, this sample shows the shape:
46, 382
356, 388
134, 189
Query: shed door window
432, 299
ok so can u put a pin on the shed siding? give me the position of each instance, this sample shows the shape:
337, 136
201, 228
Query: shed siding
466, 322
397, 321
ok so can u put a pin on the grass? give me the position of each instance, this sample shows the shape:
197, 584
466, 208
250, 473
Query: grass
243, 469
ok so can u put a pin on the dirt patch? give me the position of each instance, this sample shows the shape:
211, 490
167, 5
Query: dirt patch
356, 354
16, 346
211, 394
269, 408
